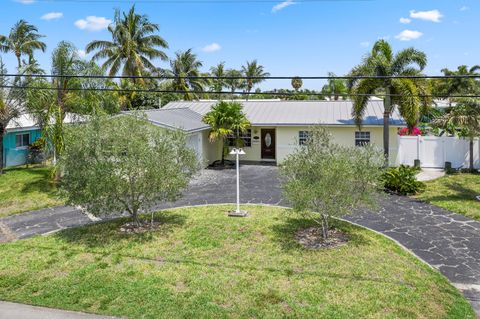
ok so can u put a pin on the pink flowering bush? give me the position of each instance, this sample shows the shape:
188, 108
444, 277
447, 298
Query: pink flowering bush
415, 131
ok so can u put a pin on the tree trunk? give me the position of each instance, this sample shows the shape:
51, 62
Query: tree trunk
2, 162
223, 152
19, 60
324, 227
387, 105
471, 155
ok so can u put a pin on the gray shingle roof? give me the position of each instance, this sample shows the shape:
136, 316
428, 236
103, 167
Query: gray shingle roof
180, 118
297, 112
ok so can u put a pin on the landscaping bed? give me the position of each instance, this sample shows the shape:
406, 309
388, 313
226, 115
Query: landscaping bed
25, 189
200, 263
455, 192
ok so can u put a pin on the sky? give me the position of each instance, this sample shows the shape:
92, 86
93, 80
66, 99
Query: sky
290, 38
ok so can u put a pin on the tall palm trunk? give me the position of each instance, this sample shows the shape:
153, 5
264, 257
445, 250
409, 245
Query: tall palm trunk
387, 107
2, 162
471, 168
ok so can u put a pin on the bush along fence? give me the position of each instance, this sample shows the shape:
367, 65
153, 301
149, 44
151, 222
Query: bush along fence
436, 151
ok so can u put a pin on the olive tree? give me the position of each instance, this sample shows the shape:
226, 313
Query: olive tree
327, 180
124, 164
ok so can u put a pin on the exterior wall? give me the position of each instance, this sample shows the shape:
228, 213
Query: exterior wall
12, 155
287, 141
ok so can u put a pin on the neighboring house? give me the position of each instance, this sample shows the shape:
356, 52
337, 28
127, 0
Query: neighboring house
279, 127
20, 133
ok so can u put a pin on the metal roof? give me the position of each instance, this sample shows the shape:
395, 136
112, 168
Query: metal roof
298, 112
179, 117
27, 121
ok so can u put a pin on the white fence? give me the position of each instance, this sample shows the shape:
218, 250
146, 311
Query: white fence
434, 151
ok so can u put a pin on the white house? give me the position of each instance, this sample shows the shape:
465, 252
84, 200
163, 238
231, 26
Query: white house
278, 127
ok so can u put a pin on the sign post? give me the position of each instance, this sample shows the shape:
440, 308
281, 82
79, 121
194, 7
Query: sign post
237, 213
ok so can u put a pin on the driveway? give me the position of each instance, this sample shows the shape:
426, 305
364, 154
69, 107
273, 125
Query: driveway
447, 241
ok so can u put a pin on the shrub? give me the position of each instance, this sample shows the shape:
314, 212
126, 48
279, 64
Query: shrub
402, 180
414, 131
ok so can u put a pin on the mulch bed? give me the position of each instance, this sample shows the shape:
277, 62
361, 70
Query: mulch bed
311, 238
133, 228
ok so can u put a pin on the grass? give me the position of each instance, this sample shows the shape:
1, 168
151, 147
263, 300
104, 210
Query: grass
455, 192
25, 189
203, 264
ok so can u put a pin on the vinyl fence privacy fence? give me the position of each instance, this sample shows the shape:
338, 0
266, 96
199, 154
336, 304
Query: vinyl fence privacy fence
434, 151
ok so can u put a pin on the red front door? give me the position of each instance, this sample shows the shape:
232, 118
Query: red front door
268, 143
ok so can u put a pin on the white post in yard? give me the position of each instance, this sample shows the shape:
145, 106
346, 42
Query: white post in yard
237, 152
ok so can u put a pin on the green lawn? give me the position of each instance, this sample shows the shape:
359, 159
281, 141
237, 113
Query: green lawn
456, 193
203, 264
25, 189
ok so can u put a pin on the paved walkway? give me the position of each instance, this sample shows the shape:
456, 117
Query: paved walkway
447, 241
429, 174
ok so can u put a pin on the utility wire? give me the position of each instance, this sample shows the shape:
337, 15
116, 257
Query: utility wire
209, 77
194, 1
235, 93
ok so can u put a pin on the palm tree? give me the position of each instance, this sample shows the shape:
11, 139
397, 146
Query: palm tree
225, 119
11, 106
403, 92
466, 116
186, 70
465, 85
297, 83
234, 81
218, 71
254, 73
334, 87
23, 39
133, 47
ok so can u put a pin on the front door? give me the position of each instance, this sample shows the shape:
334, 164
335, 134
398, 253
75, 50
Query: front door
268, 144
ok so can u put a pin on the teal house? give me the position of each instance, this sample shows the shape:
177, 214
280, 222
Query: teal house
20, 133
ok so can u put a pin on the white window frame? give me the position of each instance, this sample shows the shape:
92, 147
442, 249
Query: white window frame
303, 137
22, 146
362, 138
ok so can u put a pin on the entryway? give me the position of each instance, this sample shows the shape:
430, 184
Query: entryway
268, 144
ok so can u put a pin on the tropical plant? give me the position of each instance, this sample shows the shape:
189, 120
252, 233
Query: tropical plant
410, 95
466, 117
254, 74
234, 81
402, 180
219, 72
133, 47
297, 83
460, 85
186, 70
11, 106
324, 180
334, 87
226, 119
23, 39
124, 163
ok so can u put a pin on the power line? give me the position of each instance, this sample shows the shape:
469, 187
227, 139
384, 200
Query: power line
194, 1
209, 77
236, 92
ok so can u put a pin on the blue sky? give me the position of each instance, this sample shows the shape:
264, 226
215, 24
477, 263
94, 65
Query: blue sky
289, 38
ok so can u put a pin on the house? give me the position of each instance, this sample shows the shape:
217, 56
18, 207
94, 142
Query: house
279, 127
20, 133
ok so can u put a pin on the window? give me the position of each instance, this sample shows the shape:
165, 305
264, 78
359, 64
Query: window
246, 137
302, 137
362, 138
22, 140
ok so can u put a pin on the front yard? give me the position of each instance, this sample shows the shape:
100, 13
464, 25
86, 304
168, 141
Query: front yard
25, 189
456, 193
203, 264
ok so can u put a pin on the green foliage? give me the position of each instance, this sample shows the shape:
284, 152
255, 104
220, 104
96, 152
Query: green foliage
225, 118
255, 74
124, 163
329, 179
402, 180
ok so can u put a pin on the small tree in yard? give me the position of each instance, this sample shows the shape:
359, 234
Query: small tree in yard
124, 163
327, 180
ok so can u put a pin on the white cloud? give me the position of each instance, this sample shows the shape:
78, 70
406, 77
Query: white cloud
407, 35
365, 44
25, 1
282, 5
211, 48
432, 15
52, 16
464, 8
93, 23
405, 20
82, 53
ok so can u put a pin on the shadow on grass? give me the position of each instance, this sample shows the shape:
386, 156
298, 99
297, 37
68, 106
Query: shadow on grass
106, 233
462, 193
284, 233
